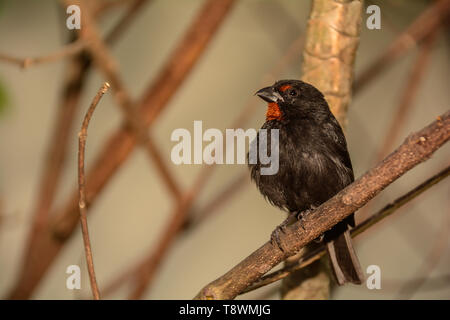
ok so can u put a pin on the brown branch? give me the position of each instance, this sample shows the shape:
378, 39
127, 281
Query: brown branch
68, 50
430, 20
385, 212
82, 136
417, 148
122, 142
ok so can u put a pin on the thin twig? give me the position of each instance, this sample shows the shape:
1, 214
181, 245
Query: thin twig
360, 228
418, 147
68, 50
82, 189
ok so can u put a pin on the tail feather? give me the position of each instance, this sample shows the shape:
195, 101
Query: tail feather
343, 259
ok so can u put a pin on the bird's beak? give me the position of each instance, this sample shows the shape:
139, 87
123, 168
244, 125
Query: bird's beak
269, 94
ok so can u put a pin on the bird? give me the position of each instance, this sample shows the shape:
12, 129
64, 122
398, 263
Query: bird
314, 165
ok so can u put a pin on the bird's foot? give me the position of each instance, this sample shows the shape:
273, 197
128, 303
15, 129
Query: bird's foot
300, 215
279, 230
319, 239
275, 236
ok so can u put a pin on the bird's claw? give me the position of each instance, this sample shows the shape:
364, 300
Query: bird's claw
300, 216
319, 239
275, 236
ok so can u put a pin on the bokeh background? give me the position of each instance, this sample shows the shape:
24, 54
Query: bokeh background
132, 211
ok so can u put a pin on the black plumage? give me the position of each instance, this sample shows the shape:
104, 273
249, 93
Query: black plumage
314, 164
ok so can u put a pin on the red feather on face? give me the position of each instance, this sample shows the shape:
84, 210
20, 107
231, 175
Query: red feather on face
273, 111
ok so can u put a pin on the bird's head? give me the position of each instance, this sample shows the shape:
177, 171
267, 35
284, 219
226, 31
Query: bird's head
291, 98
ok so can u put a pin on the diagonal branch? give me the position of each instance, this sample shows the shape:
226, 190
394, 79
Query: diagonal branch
417, 148
82, 136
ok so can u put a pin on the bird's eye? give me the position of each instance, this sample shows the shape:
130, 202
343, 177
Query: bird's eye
293, 93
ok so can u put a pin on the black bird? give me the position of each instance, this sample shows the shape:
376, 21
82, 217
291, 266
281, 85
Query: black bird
314, 165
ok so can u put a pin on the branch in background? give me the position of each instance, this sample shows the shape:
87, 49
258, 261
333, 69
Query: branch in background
122, 142
108, 66
417, 148
68, 50
360, 228
430, 20
125, 20
82, 136
409, 94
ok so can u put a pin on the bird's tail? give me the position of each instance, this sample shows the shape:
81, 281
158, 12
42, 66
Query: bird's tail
344, 262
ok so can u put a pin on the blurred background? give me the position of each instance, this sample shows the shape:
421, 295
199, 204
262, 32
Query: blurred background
257, 43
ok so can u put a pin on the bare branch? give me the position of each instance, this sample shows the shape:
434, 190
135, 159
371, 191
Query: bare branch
68, 50
417, 148
82, 136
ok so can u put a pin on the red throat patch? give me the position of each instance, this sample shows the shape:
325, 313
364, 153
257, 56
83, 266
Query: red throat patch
273, 111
